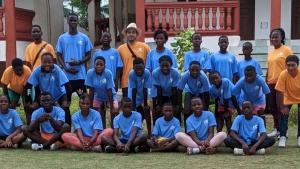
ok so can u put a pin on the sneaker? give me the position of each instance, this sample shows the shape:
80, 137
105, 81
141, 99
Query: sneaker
53, 147
29, 140
97, 149
281, 143
36, 146
15, 146
299, 141
278, 135
190, 150
210, 150
273, 133
261, 151
110, 149
141, 149
238, 151
74, 148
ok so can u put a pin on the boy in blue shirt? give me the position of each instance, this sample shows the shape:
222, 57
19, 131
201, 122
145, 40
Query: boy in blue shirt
49, 77
253, 88
113, 60
200, 135
244, 137
52, 122
165, 79
10, 124
130, 124
248, 60
194, 83
197, 54
225, 102
164, 131
138, 85
224, 62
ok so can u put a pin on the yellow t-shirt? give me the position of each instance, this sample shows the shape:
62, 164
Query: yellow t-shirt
140, 50
276, 63
14, 82
31, 51
290, 87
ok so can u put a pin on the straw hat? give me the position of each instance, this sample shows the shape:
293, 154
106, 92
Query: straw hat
132, 26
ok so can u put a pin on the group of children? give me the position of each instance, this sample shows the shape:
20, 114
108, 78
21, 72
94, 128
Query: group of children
46, 93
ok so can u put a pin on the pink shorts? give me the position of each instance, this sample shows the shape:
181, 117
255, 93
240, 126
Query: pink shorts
98, 103
257, 108
221, 108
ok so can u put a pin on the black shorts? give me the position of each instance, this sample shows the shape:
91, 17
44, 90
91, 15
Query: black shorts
140, 109
3, 137
78, 86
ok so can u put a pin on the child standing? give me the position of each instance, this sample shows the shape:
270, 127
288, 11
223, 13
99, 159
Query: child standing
164, 131
200, 131
138, 85
224, 100
248, 60
130, 124
88, 128
10, 124
197, 54
224, 62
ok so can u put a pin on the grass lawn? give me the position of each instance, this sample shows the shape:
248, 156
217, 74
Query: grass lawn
275, 157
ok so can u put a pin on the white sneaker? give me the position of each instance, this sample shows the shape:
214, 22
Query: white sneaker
15, 146
273, 133
74, 148
299, 141
36, 146
53, 147
29, 140
238, 151
97, 149
281, 143
261, 151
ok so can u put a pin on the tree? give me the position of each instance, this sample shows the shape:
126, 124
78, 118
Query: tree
80, 8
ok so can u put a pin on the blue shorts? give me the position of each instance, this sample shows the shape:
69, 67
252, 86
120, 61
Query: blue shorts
123, 141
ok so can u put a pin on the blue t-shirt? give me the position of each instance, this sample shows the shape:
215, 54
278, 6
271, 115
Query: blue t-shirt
200, 125
126, 124
202, 57
74, 47
87, 124
139, 83
101, 83
254, 92
195, 86
223, 92
153, 57
244, 63
248, 130
9, 122
52, 82
112, 60
166, 82
224, 63
166, 129
58, 114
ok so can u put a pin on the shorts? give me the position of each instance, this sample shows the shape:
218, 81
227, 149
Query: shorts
78, 86
123, 141
3, 137
60, 143
221, 108
98, 103
257, 108
140, 109
14, 96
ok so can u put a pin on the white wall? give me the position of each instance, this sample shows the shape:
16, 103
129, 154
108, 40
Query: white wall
25, 4
21, 47
2, 50
286, 13
262, 18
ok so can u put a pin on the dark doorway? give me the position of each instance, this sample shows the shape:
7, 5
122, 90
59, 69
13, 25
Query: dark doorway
295, 24
247, 16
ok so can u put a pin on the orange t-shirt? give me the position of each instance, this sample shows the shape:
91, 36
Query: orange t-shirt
31, 51
140, 50
276, 63
290, 87
14, 82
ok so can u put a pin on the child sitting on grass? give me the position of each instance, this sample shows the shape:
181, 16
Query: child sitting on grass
10, 125
164, 131
130, 124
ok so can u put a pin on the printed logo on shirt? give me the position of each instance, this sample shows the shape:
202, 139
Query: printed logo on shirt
255, 127
221, 91
143, 80
80, 42
198, 83
44, 50
202, 59
104, 81
112, 57
281, 54
230, 60
171, 80
132, 123
91, 123
10, 120
256, 88
172, 128
140, 50
52, 78
205, 121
